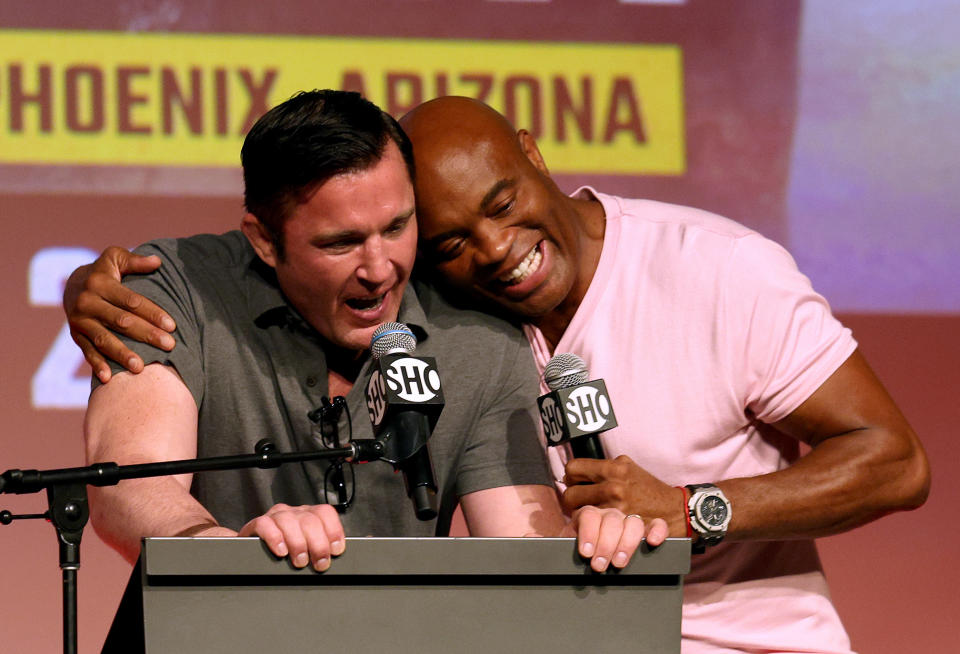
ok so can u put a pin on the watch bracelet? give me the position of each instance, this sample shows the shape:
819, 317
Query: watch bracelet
704, 540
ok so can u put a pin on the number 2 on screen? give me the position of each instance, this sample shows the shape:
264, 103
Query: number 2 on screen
55, 384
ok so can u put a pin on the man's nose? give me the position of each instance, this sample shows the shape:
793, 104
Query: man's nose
375, 266
492, 244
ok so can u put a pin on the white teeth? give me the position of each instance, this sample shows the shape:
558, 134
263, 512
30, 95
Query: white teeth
527, 267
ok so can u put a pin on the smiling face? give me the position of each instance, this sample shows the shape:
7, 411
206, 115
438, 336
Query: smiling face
492, 222
348, 250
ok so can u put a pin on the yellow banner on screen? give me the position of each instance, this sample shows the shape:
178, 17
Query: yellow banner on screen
108, 98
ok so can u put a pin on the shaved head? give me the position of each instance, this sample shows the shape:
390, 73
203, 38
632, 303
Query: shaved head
456, 121
492, 221
454, 137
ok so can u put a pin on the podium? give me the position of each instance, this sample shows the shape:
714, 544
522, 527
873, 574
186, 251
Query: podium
423, 595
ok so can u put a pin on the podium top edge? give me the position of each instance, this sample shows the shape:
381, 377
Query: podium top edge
403, 556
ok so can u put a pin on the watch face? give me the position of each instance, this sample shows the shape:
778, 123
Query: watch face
713, 511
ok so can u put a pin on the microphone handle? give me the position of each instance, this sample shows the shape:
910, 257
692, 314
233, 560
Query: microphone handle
587, 447
421, 487
411, 430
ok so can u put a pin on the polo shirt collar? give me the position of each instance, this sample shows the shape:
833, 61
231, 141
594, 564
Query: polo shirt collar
411, 313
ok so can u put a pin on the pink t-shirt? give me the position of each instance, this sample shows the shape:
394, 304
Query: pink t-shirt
701, 329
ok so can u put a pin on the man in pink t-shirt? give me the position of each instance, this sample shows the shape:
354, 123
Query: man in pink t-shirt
719, 358
686, 319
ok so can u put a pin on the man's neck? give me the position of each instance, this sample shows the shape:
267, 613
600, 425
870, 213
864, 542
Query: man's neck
552, 327
592, 222
337, 384
343, 368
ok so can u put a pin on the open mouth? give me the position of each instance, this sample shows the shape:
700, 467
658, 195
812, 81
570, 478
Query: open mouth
529, 265
366, 303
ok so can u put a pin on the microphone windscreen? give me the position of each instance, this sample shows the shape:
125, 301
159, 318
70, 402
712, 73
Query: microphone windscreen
392, 337
565, 370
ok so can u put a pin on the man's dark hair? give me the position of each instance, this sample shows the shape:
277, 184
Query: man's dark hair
301, 143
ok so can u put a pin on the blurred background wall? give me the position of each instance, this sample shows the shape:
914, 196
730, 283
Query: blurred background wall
827, 126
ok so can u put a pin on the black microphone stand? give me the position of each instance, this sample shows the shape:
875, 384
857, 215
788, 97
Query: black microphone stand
69, 510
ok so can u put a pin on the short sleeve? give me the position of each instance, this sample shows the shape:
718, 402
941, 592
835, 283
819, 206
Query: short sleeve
783, 341
169, 289
506, 426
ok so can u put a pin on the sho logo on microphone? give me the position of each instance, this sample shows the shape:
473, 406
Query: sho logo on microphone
587, 408
552, 419
376, 397
576, 411
414, 380
401, 383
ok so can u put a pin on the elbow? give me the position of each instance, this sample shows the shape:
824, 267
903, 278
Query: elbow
916, 480
104, 523
909, 483
117, 545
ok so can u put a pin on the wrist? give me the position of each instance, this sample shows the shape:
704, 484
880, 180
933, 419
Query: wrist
709, 515
685, 530
205, 530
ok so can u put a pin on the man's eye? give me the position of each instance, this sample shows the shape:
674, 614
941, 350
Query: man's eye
449, 251
503, 209
398, 227
336, 246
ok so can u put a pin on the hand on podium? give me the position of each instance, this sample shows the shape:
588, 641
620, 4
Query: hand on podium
609, 537
307, 534
622, 484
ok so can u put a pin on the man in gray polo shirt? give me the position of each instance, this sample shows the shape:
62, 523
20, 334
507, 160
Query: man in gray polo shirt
271, 321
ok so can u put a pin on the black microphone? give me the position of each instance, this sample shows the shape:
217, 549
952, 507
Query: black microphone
404, 400
575, 410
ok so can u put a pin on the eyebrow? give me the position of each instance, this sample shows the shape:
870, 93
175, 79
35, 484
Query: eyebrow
405, 215
353, 233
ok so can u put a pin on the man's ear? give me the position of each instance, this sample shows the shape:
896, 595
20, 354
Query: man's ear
529, 146
260, 238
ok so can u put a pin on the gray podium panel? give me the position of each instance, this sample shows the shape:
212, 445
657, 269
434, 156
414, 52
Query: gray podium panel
419, 595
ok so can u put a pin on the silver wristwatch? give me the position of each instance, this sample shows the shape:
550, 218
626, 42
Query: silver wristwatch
710, 514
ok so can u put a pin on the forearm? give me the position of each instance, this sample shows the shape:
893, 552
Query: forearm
844, 482
136, 508
604, 536
514, 511
866, 461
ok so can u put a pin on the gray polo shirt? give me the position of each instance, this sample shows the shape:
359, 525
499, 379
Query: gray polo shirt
256, 369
